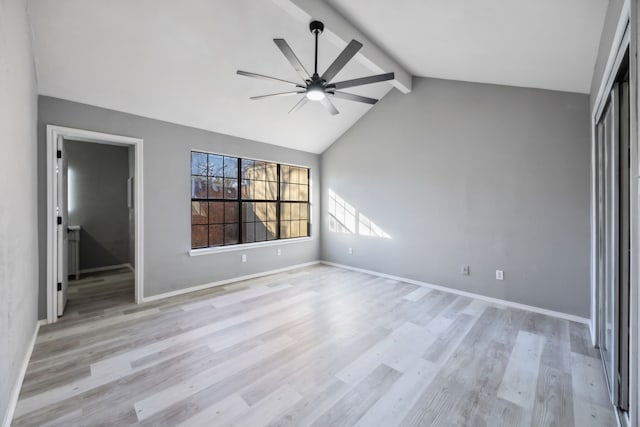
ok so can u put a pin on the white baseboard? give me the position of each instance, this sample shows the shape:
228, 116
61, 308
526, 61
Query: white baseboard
15, 391
224, 282
492, 300
106, 268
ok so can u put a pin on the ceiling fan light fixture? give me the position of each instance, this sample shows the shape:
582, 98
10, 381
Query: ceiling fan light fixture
315, 94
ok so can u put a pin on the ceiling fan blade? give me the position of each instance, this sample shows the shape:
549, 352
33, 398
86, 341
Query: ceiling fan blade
277, 94
292, 58
326, 103
362, 81
299, 104
261, 76
352, 97
345, 56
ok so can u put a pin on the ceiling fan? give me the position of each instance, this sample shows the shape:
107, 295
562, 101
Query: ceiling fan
319, 87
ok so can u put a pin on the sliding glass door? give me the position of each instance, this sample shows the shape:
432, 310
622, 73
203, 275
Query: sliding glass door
613, 236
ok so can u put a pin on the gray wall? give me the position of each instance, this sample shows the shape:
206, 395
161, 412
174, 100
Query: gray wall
457, 173
167, 238
606, 44
98, 176
18, 209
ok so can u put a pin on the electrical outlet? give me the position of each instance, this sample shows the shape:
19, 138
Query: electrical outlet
465, 270
350, 251
499, 275
244, 258
278, 251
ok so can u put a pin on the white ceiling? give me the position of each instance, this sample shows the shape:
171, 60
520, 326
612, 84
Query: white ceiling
549, 44
176, 60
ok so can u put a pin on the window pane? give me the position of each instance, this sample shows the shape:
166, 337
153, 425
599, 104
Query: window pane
284, 191
198, 187
272, 172
303, 193
285, 211
215, 165
293, 192
199, 213
248, 232
248, 214
260, 171
248, 189
285, 227
272, 190
216, 212
294, 211
230, 212
295, 229
261, 211
261, 190
230, 188
303, 229
303, 176
198, 163
231, 234
247, 169
284, 173
199, 236
293, 175
261, 232
272, 211
231, 167
215, 188
272, 230
304, 211
216, 235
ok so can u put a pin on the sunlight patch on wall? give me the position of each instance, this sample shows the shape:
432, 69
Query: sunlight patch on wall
71, 190
345, 218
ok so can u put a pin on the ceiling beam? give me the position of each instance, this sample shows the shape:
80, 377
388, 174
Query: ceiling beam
339, 31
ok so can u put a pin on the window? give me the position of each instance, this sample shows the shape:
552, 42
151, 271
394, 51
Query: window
236, 200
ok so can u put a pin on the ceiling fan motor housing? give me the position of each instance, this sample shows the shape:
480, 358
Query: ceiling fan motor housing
316, 26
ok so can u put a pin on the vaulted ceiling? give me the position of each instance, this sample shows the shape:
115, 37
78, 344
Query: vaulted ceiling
176, 61
547, 44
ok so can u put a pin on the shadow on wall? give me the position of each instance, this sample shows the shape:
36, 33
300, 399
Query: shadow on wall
95, 253
345, 218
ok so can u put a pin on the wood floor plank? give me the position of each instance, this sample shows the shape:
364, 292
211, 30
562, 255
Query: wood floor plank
203, 379
269, 408
220, 413
394, 405
417, 294
591, 404
348, 410
303, 413
554, 390
518, 384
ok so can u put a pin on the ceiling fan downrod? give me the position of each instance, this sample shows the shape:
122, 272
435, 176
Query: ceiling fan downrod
316, 28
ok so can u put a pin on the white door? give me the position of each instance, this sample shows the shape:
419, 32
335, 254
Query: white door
62, 221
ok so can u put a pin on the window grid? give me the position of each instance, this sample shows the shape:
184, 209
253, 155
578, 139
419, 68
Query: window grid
236, 200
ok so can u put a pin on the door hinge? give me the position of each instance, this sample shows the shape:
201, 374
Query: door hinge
59, 286
59, 154
59, 220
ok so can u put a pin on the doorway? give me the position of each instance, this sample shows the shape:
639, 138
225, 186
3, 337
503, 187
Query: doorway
60, 230
613, 233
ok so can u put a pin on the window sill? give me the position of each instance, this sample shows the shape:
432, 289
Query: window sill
247, 246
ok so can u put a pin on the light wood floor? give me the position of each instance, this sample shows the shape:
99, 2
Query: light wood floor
319, 346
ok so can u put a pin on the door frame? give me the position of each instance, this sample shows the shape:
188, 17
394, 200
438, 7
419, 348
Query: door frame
53, 132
